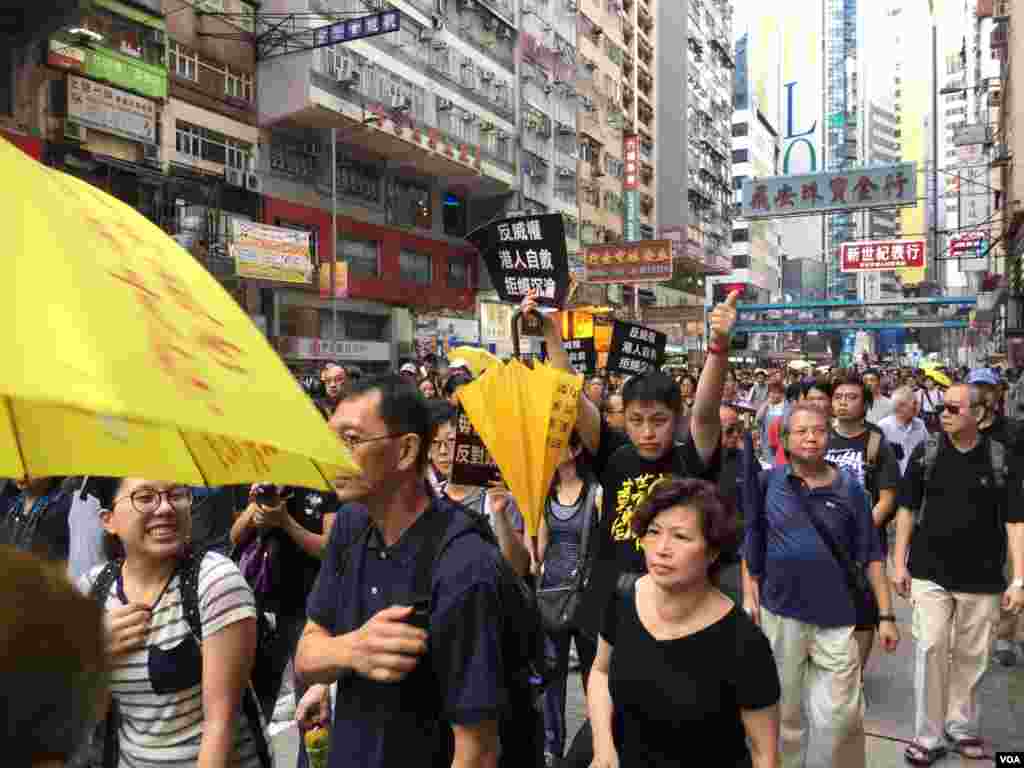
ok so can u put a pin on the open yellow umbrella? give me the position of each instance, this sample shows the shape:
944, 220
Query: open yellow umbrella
524, 416
478, 360
123, 356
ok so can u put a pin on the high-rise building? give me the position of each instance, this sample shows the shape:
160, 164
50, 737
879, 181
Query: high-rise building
639, 106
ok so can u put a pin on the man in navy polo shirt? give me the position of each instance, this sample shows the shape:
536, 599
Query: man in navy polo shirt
405, 696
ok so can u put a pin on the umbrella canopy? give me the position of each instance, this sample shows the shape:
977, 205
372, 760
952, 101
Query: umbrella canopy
800, 365
524, 417
479, 360
938, 377
124, 357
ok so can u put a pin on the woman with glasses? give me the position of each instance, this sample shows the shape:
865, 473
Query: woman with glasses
177, 698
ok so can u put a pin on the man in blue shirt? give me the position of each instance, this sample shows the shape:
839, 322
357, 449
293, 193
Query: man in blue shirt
798, 593
423, 690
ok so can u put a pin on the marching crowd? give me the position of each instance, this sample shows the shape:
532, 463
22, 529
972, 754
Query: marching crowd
723, 552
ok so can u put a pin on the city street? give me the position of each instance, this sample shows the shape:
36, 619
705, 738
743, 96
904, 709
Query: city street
890, 709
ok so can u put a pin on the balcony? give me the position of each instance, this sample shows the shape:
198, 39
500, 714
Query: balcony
645, 20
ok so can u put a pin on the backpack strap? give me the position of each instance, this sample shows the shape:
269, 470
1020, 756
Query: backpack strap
439, 518
874, 444
590, 521
931, 454
105, 580
997, 455
99, 591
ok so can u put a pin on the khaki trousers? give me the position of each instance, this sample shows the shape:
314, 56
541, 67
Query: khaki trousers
953, 633
819, 670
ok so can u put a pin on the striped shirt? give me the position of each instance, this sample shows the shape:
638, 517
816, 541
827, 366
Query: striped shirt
165, 730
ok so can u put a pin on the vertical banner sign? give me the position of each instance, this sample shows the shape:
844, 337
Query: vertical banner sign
631, 194
634, 349
526, 253
582, 354
471, 462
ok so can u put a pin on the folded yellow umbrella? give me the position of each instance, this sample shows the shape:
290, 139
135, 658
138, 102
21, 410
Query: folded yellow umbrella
524, 416
124, 357
479, 360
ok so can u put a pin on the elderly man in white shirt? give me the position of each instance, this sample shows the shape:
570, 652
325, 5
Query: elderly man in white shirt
902, 428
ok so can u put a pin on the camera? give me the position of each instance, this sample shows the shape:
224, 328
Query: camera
267, 496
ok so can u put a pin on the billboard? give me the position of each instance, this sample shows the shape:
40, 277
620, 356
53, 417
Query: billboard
630, 190
881, 255
648, 261
265, 252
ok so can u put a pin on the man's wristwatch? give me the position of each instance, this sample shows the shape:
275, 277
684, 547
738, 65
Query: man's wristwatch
1017, 583
887, 617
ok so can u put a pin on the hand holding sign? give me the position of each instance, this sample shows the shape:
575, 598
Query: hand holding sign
723, 318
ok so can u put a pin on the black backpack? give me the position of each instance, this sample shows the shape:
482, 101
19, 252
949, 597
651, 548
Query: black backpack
527, 671
103, 752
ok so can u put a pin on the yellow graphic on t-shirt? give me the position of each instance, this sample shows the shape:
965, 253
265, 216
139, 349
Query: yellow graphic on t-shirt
631, 495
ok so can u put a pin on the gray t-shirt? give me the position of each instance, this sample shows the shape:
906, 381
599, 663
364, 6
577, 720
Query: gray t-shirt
86, 531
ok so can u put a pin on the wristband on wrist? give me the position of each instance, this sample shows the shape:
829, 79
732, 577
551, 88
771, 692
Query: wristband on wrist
714, 348
887, 617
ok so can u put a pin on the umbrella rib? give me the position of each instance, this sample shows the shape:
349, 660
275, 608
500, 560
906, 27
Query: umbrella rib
329, 483
195, 461
9, 407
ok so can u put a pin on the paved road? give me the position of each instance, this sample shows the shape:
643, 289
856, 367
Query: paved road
890, 708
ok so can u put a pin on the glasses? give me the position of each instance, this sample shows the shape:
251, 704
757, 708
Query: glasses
817, 431
146, 501
848, 397
353, 441
335, 380
732, 429
447, 444
951, 409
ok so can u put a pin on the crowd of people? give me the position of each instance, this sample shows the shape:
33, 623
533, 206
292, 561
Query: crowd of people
720, 549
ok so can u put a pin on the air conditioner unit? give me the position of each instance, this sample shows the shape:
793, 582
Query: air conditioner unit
443, 105
565, 130
439, 45
505, 33
398, 101
425, 35
437, 22
253, 182
528, 78
277, 161
74, 132
467, 5
151, 154
234, 177
468, 117
503, 136
486, 75
490, 23
548, 89
565, 172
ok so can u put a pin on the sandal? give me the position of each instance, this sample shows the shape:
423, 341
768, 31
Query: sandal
915, 754
969, 747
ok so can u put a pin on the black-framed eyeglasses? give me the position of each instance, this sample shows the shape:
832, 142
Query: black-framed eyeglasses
448, 444
952, 410
732, 429
146, 501
353, 441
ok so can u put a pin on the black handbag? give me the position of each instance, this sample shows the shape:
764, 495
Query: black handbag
861, 592
558, 606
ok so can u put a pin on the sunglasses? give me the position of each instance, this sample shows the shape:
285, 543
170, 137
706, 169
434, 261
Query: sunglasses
952, 410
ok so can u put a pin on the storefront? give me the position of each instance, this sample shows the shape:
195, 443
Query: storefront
30, 145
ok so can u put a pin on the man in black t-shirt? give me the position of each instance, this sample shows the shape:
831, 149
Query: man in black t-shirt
968, 509
629, 463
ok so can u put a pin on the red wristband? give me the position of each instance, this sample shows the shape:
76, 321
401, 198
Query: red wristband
715, 349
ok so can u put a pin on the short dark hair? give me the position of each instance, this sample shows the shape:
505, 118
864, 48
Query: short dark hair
652, 387
852, 379
455, 381
822, 385
718, 521
403, 408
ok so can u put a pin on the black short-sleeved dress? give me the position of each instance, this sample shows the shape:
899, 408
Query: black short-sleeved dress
674, 698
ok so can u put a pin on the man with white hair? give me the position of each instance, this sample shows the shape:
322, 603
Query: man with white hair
903, 428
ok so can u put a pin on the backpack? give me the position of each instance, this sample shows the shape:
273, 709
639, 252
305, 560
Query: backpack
933, 444
527, 670
104, 750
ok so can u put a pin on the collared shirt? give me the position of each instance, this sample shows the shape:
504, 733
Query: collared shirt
880, 409
800, 578
903, 438
459, 681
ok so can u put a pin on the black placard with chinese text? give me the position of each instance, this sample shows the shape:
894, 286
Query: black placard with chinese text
471, 462
634, 349
582, 354
523, 253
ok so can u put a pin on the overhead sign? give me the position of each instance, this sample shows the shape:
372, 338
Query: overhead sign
526, 253
685, 313
630, 188
471, 462
877, 187
307, 348
264, 252
881, 255
648, 261
111, 110
115, 68
971, 249
582, 354
357, 29
634, 349
972, 134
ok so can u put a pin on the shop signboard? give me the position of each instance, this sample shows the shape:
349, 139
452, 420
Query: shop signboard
630, 188
887, 186
114, 68
526, 253
882, 255
647, 261
634, 349
265, 252
307, 348
111, 110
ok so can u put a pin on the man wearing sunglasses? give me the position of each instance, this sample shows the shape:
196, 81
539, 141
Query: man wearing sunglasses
963, 512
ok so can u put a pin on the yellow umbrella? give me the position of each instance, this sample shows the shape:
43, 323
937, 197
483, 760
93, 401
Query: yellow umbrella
524, 416
123, 356
479, 360
938, 377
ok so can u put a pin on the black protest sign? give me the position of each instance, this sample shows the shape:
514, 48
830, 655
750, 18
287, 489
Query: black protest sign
471, 462
526, 253
582, 354
634, 349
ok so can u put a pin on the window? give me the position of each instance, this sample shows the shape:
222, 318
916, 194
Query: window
737, 182
740, 129
120, 34
740, 155
211, 146
414, 267
741, 261
454, 214
458, 272
362, 257
411, 205
182, 62
741, 235
238, 85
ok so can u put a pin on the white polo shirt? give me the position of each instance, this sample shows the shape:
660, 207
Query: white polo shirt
907, 437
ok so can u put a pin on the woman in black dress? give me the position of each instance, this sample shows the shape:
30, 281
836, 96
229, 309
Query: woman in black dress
682, 674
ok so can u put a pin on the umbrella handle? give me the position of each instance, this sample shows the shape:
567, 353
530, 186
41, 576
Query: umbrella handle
518, 316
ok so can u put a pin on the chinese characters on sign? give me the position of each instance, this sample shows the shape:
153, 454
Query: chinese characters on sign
471, 462
266, 252
356, 29
876, 187
111, 110
563, 419
634, 348
582, 354
648, 261
526, 253
880, 255
630, 190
